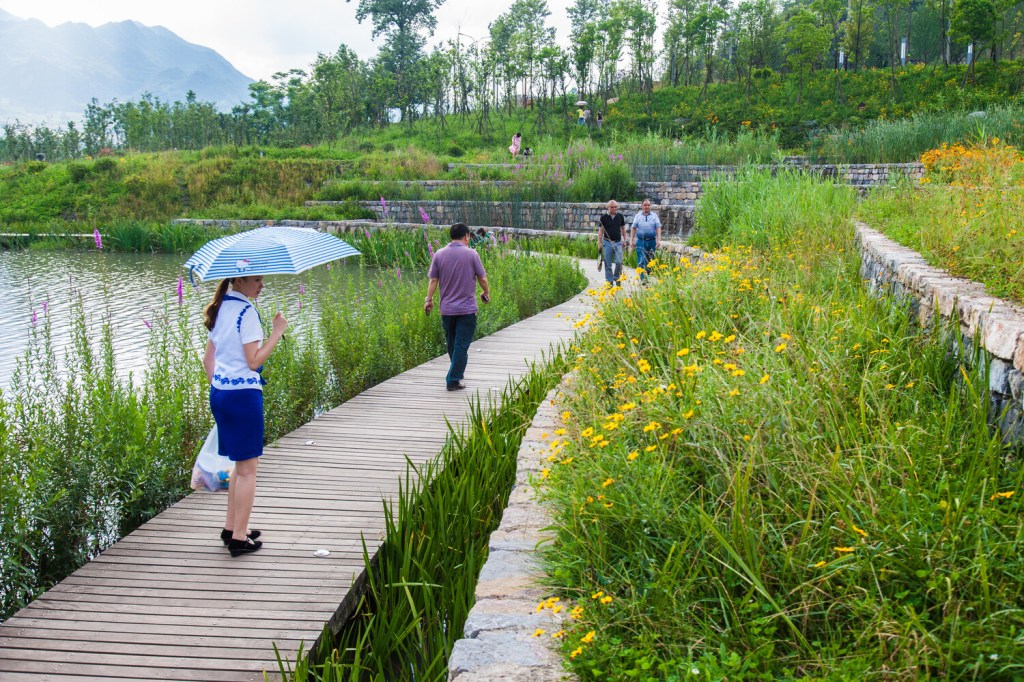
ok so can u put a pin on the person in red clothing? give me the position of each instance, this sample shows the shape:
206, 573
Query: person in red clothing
455, 270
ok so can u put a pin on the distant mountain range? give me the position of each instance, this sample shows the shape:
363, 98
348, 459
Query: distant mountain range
48, 75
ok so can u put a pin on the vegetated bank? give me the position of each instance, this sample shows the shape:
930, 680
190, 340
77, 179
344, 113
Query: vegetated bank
966, 217
88, 455
769, 473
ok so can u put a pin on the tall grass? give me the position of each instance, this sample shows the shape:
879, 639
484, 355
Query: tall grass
778, 476
421, 584
905, 140
87, 456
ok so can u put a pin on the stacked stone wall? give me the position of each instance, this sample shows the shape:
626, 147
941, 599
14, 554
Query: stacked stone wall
677, 220
966, 308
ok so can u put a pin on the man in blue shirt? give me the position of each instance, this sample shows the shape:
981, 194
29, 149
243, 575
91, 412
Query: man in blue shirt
645, 237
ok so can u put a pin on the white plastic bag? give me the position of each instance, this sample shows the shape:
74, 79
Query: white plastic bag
212, 471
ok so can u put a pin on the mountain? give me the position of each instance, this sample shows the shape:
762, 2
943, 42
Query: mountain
50, 74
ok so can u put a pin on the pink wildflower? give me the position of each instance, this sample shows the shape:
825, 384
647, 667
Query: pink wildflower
97, 238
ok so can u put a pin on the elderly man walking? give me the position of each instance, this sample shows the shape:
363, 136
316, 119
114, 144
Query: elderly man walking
455, 270
609, 236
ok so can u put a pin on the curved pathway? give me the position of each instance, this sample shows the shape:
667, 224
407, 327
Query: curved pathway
167, 602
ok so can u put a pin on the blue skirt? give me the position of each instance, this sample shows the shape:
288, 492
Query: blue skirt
239, 417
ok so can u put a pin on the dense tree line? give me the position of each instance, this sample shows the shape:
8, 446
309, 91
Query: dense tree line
612, 52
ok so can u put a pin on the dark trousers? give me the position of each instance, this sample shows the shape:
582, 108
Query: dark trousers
458, 333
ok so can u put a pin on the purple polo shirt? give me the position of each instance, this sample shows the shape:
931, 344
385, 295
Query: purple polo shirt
457, 267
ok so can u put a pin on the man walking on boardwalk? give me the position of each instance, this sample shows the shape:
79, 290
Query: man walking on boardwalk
455, 269
609, 237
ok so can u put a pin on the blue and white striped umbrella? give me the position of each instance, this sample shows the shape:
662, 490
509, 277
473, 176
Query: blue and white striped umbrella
277, 250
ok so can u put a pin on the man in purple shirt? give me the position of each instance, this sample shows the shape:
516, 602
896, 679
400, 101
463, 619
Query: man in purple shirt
456, 269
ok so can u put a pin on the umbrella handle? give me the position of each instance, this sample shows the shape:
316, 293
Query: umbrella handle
191, 279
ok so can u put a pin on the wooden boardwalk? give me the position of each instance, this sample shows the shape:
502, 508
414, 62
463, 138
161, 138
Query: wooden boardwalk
167, 602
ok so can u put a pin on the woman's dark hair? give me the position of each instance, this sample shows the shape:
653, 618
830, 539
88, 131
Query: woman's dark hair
481, 232
210, 313
519, 134
458, 231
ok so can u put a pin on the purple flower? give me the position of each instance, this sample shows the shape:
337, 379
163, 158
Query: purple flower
181, 290
399, 271
518, 166
146, 322
302, 290
97, 238
366, 232
46, 307
424, 216
328, 266
300, 304
35, 318
384, 206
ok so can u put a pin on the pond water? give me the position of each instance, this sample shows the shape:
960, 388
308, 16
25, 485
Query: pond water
129, 290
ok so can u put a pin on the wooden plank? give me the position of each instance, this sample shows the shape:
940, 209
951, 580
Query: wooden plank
168, 602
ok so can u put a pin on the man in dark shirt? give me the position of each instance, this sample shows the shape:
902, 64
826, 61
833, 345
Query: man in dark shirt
609, 236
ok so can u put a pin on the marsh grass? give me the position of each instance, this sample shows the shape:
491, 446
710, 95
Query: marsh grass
421, 584
768, 474
904, 140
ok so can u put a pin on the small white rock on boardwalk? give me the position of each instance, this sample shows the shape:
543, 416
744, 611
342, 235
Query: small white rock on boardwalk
167, 602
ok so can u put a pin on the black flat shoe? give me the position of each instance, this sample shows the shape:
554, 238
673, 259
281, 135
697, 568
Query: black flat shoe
247, 546
225, 535
457, 387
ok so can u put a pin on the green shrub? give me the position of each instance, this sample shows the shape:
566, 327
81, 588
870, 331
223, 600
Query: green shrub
602, 183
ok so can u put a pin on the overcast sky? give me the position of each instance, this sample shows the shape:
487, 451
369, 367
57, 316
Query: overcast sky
261, 37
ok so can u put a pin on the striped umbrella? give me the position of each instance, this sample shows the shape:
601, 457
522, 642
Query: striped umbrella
277, 250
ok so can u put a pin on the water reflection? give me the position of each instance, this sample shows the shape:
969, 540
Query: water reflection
129, 290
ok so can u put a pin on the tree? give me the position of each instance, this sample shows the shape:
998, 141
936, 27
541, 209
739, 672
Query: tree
858, 28
584, 16
400, 22
973, 21
806, 42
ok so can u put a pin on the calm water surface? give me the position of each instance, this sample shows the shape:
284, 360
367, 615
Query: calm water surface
129, 289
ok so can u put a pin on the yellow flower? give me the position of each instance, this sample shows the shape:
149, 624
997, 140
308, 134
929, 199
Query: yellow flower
576, 613
653, 426
650, 448
627, 407
738, 373
558, 635
821, 564
607, 482
701, 334
779, 348
683, 351
910, 385
858, 531
785, 337
587, 432
559, 432
730, 338
589, 637
764, 379
643, 365
676, 432
556, 609
734, 392
606, 600
576, 652
1003, 496
544, 473
597, 595
538, 632
746, 436
633, 455
566, 415
688, 415
889, 387
845, 550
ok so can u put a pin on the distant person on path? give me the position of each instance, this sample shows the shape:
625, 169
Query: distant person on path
586, 117
235, 353
645, 237
598, 120
579, 117
455, 270
609, 236
517, 141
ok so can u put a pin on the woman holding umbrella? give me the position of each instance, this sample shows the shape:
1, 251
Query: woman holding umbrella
235, 353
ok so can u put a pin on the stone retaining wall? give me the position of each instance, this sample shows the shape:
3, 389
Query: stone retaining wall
669, 192
861, 174
498, 642
677, 220
997, 325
